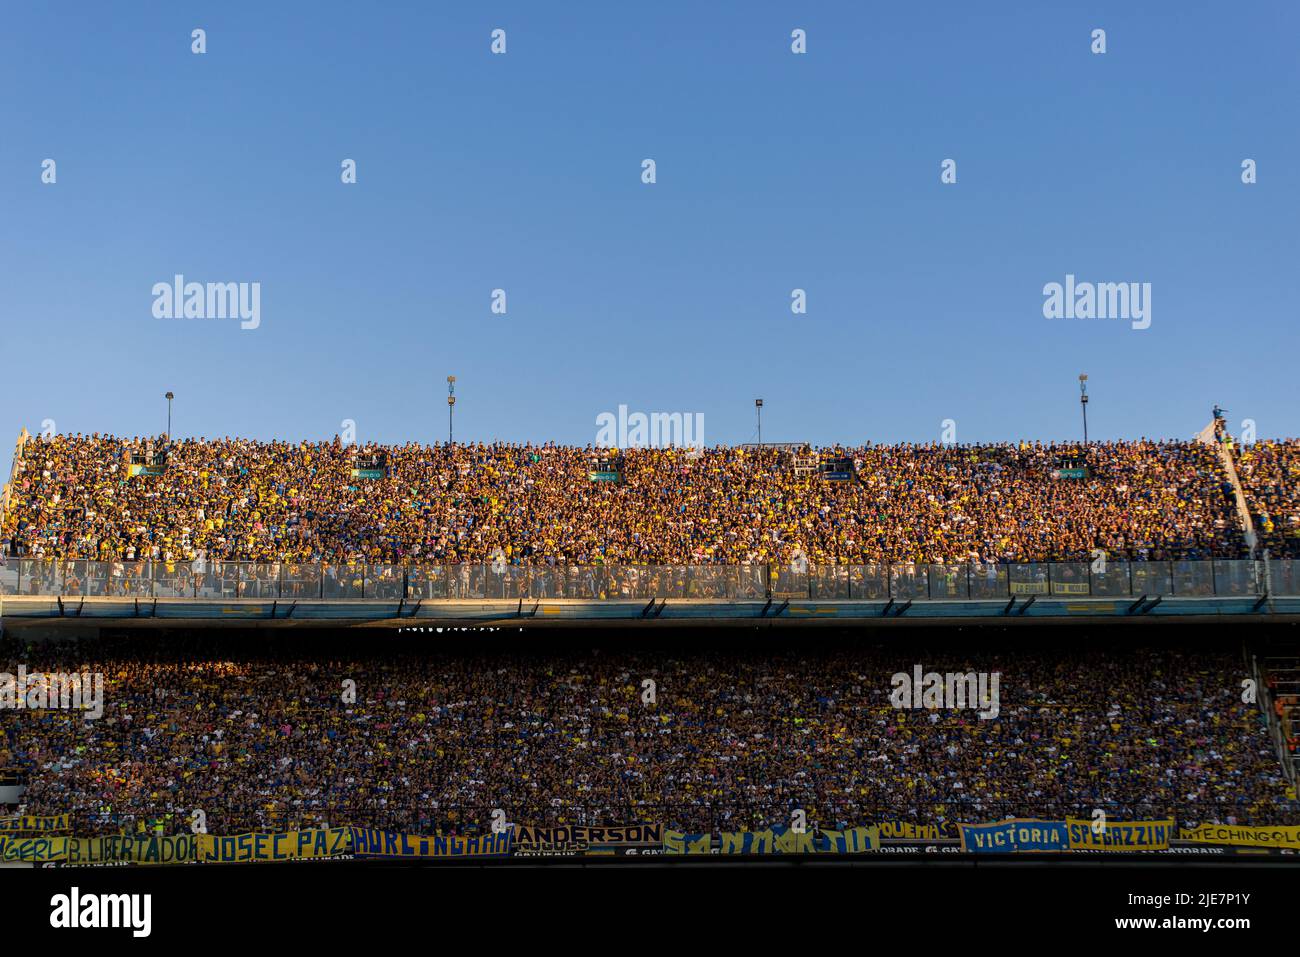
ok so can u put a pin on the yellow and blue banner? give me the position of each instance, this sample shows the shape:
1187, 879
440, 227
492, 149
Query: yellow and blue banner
1232, 834
767, 841
1015, 836
33, 824
680, 842
277, 846
130, 849
782, 840
1120, 835
910, 831
373, 842
37, 850
120, 848
853, 840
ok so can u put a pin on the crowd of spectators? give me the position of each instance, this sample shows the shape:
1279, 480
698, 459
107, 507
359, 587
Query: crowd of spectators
236, 499
730, 737
1269, 471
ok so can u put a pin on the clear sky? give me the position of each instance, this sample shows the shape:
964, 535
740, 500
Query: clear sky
775, 171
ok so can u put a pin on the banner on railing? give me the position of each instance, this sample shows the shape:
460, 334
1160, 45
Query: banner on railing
1071, 588
1231, 834
130, 849
775, 840
33, 824
910, 831
373, 842
784, 840
278, 846
1028, 588
680, 842
36, 850
1001, 837
586, 840
1120, 835
1014, 837
179, 849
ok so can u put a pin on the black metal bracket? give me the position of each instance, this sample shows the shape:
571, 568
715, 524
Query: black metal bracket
784, 605
1143, 609
1032, 599
884, 612
646, 610
289, 613
1259, 604
1011, 604
902, 609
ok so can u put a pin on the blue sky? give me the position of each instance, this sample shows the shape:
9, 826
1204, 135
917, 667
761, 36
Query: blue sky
775, 171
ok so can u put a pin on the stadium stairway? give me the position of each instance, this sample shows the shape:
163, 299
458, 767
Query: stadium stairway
1222, 444
23, 436
1276, 667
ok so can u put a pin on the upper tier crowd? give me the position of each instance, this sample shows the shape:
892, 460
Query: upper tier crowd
265, 737
235, 499
1270, 475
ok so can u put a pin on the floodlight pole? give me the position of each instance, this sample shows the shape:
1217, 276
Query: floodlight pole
451, 407
1083, 404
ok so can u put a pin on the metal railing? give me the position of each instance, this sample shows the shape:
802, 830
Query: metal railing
901, 582
735, 813
7, 489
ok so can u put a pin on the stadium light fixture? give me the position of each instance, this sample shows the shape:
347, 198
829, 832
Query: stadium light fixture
758, 410
451, 406
169, 396
1083, 404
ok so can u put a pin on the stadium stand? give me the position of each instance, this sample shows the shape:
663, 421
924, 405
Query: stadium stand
1270, 475
259, 736
106, 498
